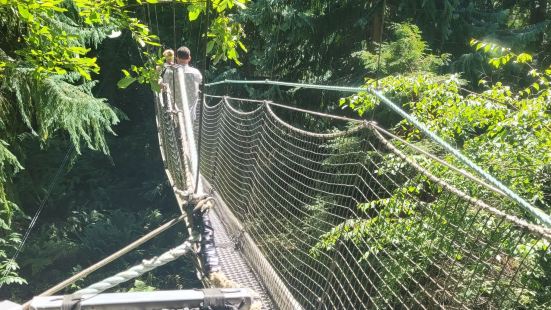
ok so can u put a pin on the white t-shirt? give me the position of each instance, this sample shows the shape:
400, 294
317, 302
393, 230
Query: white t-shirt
193, 79
196, 74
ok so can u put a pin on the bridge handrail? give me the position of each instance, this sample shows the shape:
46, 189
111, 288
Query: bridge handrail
536, 212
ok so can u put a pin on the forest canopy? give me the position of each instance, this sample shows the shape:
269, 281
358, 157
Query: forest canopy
476, 72
48, 62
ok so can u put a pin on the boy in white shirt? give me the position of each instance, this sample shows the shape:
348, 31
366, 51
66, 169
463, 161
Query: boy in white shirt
183, 57
193, 77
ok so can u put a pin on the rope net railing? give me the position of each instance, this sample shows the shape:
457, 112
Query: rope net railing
171, 148
176, 109
359, 219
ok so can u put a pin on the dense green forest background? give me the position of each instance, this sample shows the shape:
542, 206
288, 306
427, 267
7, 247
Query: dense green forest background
101, 202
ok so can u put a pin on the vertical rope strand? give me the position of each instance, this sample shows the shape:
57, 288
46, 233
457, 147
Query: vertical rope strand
202, 103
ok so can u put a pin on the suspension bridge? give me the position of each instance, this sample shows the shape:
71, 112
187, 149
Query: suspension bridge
281, 217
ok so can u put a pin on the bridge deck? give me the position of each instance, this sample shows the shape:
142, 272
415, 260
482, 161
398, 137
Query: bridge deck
234, 265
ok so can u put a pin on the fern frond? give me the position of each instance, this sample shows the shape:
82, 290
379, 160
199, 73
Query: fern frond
9, 165
49, 105
520, 38
8, 161
73, 109
85, 35
10, 26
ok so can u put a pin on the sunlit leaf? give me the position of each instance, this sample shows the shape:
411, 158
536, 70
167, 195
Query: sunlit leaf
126, 81
524, 58
194, 13
82, 72
24, 12
210, 45
114, 34
242, 46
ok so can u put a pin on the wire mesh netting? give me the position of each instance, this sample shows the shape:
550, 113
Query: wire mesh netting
171, 148
359, 219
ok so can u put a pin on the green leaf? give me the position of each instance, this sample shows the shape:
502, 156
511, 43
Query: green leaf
194, 12
154, 86
210, 45
126, 81
496, 62
232, 54
240, 4
504, 60
78, 50
24, 12
242, 46
59, 70
153, 43
524, 58
83, 72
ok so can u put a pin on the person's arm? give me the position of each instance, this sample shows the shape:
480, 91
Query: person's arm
198, 77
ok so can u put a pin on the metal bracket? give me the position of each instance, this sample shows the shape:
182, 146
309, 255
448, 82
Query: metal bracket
214, 299
71, 302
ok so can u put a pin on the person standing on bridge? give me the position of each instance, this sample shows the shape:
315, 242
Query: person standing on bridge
169, 57
183, 57
169, 61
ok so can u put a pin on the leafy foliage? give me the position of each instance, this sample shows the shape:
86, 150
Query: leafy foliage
140, 286
8, 266
407, 53
51, 104
224, 32
101, 204
47, 62
51, 44
505, 129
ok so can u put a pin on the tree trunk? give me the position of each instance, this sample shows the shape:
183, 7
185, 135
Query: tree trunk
378, 23
538, 13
